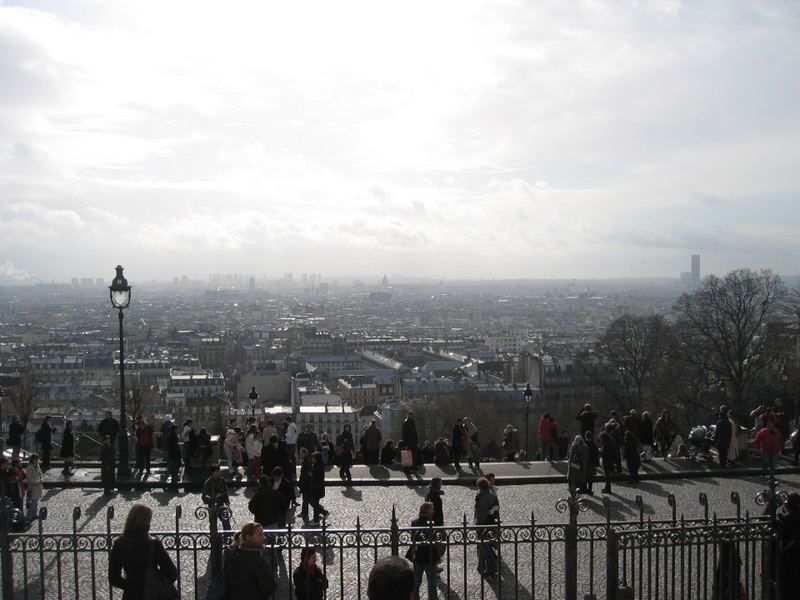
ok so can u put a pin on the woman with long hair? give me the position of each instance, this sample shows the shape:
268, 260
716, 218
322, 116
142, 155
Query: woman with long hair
134, 552
248, 575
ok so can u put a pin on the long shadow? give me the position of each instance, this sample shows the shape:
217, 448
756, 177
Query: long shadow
379, 472
352, 493
652, 488
509, 584
448, 469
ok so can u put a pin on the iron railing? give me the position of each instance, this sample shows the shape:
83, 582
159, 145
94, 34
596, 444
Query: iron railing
675, 558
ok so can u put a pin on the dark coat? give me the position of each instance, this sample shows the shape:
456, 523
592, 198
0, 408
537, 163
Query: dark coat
345, 441
317, 487
632, 458
304, 482
587, 419
15, 432
434, 496
722, 434
68, 443
457, 441
308, 586
108, 427
173, 446
140, 435
269, 458
248, 575
387, 455
646, 432
410, 436
425, 552
609, 453
45, 436
269, 506
787, 526
130, 555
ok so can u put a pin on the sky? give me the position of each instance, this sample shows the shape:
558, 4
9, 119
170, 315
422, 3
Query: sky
463, 139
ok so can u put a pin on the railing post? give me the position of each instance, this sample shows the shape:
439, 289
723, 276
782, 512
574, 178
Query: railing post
6, 564
394, 533
612, 566
571, 552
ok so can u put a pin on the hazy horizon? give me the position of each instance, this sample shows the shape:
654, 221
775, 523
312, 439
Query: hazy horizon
466, 140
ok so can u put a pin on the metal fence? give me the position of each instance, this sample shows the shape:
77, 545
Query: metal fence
676, 558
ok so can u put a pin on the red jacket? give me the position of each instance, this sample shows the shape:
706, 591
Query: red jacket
769, 443
546, 430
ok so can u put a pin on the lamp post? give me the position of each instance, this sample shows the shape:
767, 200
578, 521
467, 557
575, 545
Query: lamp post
120, 293
527, 395
253, 396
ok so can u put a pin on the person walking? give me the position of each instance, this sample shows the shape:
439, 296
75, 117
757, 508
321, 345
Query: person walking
16, 431
33, 475
487, 512
578, 460
632, 457
107, 466
510, 442
548, 428
423, 552
67, 449
44, 436
372, 443
610, 456
215, 495
410, 437
316, 487
434, 496
248, 575
309, 581
457, 443
134, 552
472, 445
173, 455
144, 444
722, 436
345, 450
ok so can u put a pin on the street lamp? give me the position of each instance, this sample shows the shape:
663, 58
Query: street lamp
120, 293
527, 395
253, 396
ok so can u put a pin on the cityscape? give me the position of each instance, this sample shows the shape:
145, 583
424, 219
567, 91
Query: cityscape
487, 299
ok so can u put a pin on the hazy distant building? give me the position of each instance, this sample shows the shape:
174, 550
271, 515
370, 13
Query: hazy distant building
695, 268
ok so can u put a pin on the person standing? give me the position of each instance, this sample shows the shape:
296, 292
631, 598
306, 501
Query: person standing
308, 439
587, 418
473, 446
457, 443
67, 449
316, 488
410, 436
268, 505
593, 460
345, 450
487, 512
107, 466
632, 458
578, 460
309, 581
144, 444
134, 552
33, 475
108, 427
548, 428
424, 551
44, 436
610, 456
510, 442
722, 436
248, 575
16, 431
290, 437
173, 454
253, 445
646, 435
664, 432
372, 443
215, 495
769, 442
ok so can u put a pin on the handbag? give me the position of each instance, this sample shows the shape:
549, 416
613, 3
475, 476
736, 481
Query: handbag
156, 586
406, 458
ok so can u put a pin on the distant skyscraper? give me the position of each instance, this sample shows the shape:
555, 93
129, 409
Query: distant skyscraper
696, 268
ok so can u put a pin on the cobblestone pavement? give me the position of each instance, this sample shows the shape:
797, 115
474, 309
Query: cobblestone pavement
523, 569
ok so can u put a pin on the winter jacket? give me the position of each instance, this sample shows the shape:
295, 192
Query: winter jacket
769, 443
434, 496
309, 586
425, 549
268, 506
68, 444
215, 491
546, 428
410, 436
130, 555
587, 419
33, 475
317, 487
252, 443
372, 438
291, 433
487, 508
457, 440
248, 575
15, 432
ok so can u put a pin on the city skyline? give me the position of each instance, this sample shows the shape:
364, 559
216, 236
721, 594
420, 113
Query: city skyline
468, 140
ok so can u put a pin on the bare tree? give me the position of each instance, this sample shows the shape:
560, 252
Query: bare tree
628, 357
23, 397
724, 324
142, 398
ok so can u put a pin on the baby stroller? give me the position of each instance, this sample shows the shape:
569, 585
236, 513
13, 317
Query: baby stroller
700, 441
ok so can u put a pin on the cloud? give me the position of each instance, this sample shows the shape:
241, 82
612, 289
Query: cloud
9, 271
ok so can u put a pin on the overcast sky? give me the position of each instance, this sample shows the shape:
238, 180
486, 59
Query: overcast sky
446, 139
